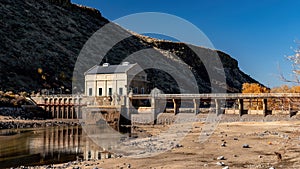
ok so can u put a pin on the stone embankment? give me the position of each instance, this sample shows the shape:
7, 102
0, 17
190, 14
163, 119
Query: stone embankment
14, 124
35, 113
11, 118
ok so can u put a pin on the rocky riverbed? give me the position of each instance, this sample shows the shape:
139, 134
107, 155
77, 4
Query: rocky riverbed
232, 145
250, 141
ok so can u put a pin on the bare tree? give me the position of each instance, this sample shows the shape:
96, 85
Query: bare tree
295, 60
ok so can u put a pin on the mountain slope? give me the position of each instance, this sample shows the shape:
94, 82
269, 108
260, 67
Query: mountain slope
42, 34
41, 40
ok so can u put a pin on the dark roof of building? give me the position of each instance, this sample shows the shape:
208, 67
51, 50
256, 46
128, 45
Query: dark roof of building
110, 69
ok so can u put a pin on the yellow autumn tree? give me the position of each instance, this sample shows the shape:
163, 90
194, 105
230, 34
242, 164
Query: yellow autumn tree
254, 88
281, 89
295, 89
286, 89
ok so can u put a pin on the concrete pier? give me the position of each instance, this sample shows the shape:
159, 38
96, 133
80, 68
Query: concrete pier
176, 106
196, 105
241, 106
218, 106
265, 107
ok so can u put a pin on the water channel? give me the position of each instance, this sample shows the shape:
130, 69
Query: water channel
44, 146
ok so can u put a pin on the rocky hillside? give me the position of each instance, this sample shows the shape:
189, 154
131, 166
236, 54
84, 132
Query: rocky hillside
41, 40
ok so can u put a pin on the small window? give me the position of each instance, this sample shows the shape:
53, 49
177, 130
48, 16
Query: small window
142, 90
100, 91
90, 91
109, 91
121, 91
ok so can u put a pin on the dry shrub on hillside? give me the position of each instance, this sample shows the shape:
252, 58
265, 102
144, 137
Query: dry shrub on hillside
10, 99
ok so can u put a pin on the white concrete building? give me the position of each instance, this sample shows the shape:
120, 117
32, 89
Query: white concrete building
106, 80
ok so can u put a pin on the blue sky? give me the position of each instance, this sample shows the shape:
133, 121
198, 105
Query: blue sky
258, 33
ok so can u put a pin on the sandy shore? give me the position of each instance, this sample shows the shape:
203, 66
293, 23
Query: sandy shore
263, 138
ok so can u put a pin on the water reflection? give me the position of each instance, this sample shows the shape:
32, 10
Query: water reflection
47, 146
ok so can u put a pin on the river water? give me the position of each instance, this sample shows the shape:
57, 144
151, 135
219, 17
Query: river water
44, 146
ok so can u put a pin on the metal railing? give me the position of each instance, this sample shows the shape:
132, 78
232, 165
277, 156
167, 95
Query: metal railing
218, 96
197, 96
